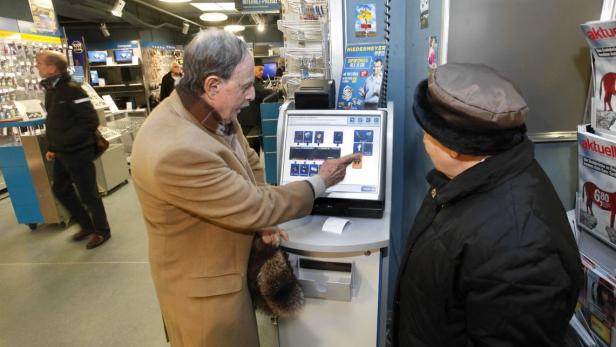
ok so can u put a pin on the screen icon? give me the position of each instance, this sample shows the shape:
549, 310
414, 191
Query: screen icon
318, 137
358, 147
304, 170
307, 136
299, 137
314, 169
352, 120
338, 136
294, 169
367, 149
363, 136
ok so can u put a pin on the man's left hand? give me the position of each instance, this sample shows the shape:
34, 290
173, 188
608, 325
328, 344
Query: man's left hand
272, 236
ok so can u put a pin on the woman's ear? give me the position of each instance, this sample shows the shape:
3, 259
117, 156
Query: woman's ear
211, 86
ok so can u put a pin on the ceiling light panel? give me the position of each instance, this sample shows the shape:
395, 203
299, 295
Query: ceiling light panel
213, 17
215, 6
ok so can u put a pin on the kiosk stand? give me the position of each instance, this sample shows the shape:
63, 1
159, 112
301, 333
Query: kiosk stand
343, 272
28, 174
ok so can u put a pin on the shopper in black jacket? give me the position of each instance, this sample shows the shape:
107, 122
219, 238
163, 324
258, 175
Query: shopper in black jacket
167, 85
491, 259
70, 126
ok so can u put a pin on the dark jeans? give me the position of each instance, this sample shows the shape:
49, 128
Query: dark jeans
87, 208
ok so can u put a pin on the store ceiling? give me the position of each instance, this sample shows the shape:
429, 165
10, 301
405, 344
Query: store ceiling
137, 13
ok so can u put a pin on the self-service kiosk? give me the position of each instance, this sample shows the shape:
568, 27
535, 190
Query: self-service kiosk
340, 252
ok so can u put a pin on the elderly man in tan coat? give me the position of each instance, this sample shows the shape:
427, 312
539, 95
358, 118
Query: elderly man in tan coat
203, 196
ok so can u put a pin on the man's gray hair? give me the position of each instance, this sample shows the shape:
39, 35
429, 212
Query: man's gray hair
56, 59
211, 52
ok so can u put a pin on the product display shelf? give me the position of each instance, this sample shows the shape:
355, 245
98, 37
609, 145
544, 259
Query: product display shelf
306, 50
123, 82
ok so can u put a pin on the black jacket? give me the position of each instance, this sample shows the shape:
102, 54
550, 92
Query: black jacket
167, 85
71, 118
490, 261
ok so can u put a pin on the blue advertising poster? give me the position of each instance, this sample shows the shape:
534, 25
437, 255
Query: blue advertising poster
362, 73
260, 6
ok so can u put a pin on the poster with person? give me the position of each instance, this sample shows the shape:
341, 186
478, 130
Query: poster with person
362, 75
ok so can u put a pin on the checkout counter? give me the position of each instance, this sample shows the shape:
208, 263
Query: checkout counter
340, 252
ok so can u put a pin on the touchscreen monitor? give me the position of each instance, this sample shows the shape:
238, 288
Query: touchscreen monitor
97, 57
123, 56
311, 137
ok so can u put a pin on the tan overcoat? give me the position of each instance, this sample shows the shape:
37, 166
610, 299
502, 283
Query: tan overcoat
201, 204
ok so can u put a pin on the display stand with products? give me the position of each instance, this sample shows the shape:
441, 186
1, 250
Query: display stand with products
111, 166
306, 51
120, 73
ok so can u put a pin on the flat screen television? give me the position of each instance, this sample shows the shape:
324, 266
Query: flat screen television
269, 70
97, 57
123, 56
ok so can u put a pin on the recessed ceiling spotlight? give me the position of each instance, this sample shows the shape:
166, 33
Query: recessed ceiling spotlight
260, 27
234, 28
213, 17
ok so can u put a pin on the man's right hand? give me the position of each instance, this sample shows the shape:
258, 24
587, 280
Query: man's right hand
50, 156
333, 170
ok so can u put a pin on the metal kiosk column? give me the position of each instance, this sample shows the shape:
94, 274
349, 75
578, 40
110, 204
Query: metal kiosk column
343, 271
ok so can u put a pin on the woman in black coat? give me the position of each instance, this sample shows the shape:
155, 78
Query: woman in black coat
491, 259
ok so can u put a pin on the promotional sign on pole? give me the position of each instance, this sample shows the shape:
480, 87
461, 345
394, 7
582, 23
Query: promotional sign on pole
362, 74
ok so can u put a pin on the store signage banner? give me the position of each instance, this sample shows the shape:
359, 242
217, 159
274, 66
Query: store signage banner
260, 6
44, 17
79, 50
362, 73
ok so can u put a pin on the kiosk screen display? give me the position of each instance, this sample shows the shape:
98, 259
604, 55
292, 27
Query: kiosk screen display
311, 138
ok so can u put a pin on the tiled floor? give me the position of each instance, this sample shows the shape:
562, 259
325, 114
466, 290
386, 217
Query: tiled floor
54, 292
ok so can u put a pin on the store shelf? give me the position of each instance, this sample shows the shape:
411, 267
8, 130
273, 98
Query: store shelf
120, 85
119, 65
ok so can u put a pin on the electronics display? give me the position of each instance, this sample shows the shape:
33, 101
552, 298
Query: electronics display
269, 70
94, 77
311, 137
123, 56
97, 57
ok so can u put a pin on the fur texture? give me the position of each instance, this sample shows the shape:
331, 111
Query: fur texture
273, 286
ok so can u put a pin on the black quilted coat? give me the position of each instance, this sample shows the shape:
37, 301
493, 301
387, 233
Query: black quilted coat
490, 261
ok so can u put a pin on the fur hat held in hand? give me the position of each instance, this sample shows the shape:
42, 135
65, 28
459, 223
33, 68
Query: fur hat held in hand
273, 286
